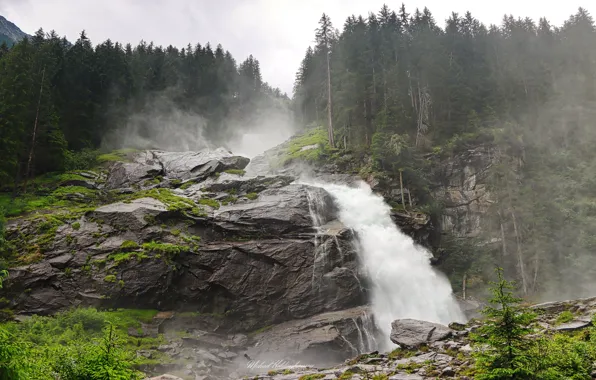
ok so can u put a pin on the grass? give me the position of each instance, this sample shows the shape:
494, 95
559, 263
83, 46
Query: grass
252, 196
315, 136
117, 155
209, 202
564, 317
239, 172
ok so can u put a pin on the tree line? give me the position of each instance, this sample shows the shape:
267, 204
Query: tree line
58, 99
399, 87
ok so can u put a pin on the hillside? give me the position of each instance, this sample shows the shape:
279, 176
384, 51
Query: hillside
9, 32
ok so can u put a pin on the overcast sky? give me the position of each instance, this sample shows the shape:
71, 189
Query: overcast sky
276, 32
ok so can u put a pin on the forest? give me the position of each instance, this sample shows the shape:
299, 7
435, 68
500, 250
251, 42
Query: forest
60, 101
410, 93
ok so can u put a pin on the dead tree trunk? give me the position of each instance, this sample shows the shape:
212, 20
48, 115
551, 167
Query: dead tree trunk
32, 150
329, 104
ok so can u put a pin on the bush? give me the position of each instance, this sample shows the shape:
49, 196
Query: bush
84, 159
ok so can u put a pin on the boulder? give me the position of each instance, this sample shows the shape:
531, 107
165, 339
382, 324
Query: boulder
124, 174
133, 215
198, 165
319, 340
413, 333
277, 211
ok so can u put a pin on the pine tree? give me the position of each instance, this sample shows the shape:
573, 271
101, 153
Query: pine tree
506, 352
324, 35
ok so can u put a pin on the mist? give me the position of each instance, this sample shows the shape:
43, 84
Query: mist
161, 124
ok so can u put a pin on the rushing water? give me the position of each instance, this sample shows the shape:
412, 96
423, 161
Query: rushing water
404, 285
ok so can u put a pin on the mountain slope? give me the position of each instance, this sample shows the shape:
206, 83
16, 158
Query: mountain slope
9, 32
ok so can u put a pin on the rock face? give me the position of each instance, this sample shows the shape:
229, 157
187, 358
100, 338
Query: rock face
462, 186
178, 232
412, 333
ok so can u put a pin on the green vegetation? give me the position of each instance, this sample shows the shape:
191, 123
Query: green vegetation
510, 348
229, 199
564, 317
76, 226
110, 278
313, 376
128, 245
171, 200
187, 184
239, 172
117, 155
78, 344
504, 332
252, 196
310, 146
209, 202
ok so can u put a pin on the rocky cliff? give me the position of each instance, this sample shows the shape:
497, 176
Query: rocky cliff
190, 234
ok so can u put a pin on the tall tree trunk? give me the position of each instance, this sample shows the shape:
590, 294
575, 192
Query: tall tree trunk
520, 256
32, 150
329, 104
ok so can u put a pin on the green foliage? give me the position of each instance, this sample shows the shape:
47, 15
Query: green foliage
81, 160
110, 278
121, 155
252, 196
313, 376
171, 200
209, 202
310, 146
507, 351
564, 317
171, 250
73, 345
76, 226
239, 172
128, 245
187, 184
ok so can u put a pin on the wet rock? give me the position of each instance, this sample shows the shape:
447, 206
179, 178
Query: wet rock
133, 215
165, 377
124, 174
199, 165
574, 325
318, 340
413, 333
447, 371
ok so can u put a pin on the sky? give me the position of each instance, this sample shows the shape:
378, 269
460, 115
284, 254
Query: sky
276, 32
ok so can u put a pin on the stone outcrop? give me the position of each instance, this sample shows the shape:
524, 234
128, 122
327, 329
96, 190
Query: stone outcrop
461, 184
412, 333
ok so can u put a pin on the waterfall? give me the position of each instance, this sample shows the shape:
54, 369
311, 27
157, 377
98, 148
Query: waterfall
403, 283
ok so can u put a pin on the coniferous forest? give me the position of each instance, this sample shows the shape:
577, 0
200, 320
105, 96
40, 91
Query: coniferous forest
59, 100
405, 90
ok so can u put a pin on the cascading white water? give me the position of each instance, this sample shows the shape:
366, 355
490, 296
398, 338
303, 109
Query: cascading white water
404, 284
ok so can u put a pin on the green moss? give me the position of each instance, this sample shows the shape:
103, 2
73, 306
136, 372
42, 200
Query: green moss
121, 257
117, 155
150, 182
294, 151
187, 184
209, 202
175, 232
129, 245
66, 191
76, 226
239, 172
229, 199
171, 200
110, 278
168, 249
176, 182
313, 376
564, 317
252, 196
